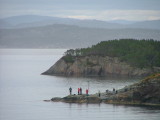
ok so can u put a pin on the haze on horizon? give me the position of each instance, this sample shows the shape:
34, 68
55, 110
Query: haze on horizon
106, 10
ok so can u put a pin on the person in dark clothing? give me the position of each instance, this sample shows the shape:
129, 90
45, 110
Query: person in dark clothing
113, 89
70, 91
80, 91
99, 94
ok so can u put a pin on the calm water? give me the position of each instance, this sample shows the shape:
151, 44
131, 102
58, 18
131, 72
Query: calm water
23, 89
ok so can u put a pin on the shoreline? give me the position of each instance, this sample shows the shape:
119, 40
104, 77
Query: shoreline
94, 99
145, 92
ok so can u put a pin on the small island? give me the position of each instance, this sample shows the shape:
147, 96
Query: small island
124, 57
145, 92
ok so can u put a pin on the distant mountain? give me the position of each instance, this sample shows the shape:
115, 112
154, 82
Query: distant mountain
67, 36
27, 21
125, 22
155, 24
5, 24
15, 20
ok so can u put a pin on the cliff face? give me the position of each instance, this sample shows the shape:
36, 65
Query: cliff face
95, 66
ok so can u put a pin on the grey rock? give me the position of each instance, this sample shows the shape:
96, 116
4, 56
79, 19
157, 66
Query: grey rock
96, 66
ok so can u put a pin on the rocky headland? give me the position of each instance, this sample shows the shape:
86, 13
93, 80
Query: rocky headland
124, 57
95, 65
145, 92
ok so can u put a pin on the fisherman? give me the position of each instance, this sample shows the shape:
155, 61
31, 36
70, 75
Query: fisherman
107, 91
70, 91
86, 92
99, 94
78, 91
113, 89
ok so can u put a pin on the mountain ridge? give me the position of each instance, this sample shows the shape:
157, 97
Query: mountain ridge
67, 36
25, 21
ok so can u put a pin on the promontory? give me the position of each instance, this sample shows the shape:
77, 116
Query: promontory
124, 57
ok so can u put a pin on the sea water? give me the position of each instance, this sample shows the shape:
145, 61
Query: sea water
23, 89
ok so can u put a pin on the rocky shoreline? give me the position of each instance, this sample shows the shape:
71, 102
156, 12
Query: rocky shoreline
145, 92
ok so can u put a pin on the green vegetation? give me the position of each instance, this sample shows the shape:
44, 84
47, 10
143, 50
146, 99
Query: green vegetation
68, 59
139, 53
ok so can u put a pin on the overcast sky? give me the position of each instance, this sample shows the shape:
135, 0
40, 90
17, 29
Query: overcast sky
134, 10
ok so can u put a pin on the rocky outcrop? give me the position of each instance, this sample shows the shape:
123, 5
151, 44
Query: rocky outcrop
96, 66
146, 92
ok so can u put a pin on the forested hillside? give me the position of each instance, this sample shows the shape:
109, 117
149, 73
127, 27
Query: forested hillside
138, 53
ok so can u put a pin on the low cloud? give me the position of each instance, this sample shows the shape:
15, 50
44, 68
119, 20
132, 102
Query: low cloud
133, 15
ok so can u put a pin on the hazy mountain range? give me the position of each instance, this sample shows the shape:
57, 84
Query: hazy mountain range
32, 31
34, 21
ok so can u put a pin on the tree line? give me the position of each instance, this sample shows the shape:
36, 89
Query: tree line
139, 53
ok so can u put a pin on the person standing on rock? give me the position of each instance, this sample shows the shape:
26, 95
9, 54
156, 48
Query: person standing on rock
99, 93
86, 92
78, 91
113, 89
70, 91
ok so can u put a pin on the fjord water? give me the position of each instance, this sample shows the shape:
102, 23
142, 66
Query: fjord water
23, 89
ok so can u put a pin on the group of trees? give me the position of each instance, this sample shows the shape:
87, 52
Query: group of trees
139, 53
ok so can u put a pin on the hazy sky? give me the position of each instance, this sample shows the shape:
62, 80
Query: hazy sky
84, 9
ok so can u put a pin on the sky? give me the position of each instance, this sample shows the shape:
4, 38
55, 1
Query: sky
132, 10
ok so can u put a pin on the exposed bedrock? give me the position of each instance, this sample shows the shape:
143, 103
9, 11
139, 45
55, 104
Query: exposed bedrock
96, 66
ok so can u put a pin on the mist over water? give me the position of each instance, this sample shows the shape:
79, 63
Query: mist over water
23, 89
